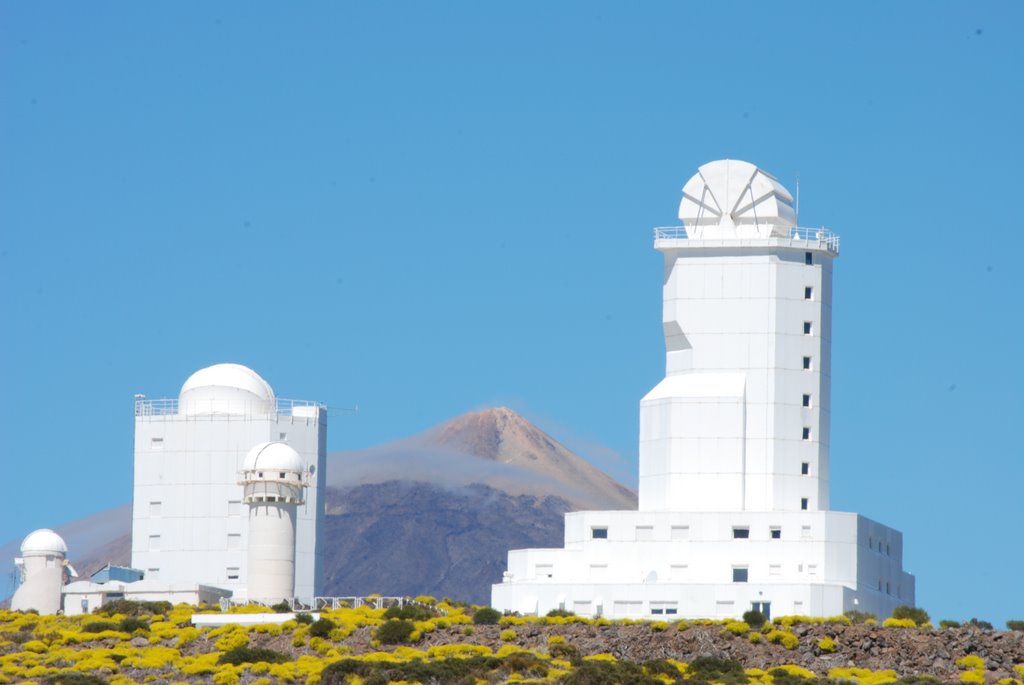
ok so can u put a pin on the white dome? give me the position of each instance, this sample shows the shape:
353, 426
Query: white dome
730, 198
43, 541
226, 389
273, 456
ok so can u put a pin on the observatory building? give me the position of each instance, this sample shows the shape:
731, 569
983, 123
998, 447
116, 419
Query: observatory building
734, 442
193, 507
42, 572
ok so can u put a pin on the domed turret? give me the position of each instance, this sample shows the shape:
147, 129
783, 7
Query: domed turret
230, 389
273, 475
41, 572
729, 198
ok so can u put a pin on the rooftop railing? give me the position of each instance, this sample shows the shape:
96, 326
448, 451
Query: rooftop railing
168, 406
821, 237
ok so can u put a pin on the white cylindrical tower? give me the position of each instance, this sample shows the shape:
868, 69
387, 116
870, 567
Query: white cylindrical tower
274, 479
41, 572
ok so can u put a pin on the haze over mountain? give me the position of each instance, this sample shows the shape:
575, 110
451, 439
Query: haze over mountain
434, 513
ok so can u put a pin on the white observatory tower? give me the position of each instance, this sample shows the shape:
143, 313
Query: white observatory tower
734, 441
275, 481
189, 524
41, 572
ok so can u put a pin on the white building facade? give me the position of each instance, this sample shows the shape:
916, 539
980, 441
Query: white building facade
734, 442
189, 523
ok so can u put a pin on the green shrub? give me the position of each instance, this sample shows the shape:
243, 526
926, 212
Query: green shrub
754, 619
281, 607
75, 679
860, 616
129, 624
99, 626
252, 655
563, 651
486, 616
608, 673
916, 614
1015, 625
949, 624
559, 613
410, 612
395, 631
718, 670
985, 625
303, 618
322, 628
132, 608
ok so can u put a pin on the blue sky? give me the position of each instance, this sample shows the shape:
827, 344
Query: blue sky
426, 208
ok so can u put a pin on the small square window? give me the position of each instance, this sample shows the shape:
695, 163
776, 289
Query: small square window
807, 400
805, 532
808, 258
154, 543
155, 508
808, 293
152, 574
680, 533
234, 507
888, 552
740, 574
805, 468
888, 591
807, 328
234, 541
804, 503
282, 437
740, 533
806, 434
812, 569
775, 532
775, 569
232, 573
599, 533
643, 533
807, 363
156, 444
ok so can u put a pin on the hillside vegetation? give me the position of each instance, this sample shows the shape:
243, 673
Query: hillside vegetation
442, 643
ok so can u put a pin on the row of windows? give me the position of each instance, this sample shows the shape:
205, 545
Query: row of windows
234, 508
871, 545
642, 533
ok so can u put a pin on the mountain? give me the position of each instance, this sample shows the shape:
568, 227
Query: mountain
432, 514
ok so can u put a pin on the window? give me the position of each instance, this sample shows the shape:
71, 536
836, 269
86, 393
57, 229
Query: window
808, 293
154, 543
725, 608
739, 574
645, 532
807, 400
544, 570
598, 571
887, 588
807, 327
156, 444
888, 553
232, 573
677, 572
680, 533
599, 533
805, 532
775, 569
812, 569
807, 363
234, 507
808, 258
282, 437
765, 608
775, 533
234, 541
152, 574
282, 475
51, 561
664, 608
805, 468
804, 502
154, 508
806, 434
740, 533
582, 607
628, 608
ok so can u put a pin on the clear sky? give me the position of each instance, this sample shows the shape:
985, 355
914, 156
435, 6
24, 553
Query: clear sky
426, 208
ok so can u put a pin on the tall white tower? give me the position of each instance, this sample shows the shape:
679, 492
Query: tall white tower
733, 512
41, 572
741, 420
274, 480
188, 520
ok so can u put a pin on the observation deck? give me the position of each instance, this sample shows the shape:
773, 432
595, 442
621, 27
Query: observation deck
282, 407
668, 237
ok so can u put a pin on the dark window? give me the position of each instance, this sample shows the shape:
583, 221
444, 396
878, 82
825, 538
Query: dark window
741, 533
808, 258
806, 433
739, 575
671, 610
808, 293
803, 503
807, 400
807, 327
805, 468
776, 533
807, 363
599, 533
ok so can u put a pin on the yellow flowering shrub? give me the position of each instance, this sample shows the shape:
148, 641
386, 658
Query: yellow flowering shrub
600, 657
784, 638
971, 661
235, 638
736, 628
507, 635
899, 623
973, 676
755, 637
863, 676
827, 644
659, 626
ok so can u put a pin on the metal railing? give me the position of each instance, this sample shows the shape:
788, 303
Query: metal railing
821, 237
168, 406
322, 603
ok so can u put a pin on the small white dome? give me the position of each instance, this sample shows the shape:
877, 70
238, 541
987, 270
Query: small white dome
226, 389
43, 541
273, 456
